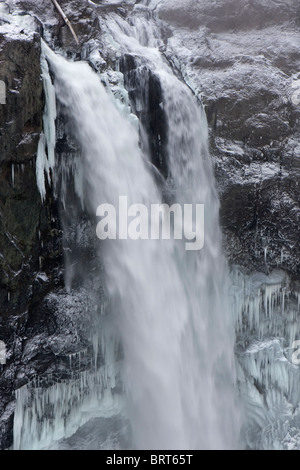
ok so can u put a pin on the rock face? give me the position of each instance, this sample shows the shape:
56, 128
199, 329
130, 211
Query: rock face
28, 230
21, 123
228, 15
243, 58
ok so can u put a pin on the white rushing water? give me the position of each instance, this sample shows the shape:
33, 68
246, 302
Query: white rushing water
169, 306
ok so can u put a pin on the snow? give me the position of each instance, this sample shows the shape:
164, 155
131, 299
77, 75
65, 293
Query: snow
223, 63
42, 276
296, 90
16, 26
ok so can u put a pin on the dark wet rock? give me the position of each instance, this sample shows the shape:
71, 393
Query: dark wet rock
30, 237
144, 87
23, 218
20, 131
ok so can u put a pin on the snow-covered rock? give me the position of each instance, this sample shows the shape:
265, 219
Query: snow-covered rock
243, 59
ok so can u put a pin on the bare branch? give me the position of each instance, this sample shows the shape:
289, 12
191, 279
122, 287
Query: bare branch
66, 20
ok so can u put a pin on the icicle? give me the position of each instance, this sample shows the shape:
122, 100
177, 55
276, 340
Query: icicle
50, 110
283, 301
265, 365
265, 253
46, 148
269, 381
70, 404
298, 298
281, 255
13, 175
41, 166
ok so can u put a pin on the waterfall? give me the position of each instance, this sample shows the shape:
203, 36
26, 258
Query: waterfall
169, 307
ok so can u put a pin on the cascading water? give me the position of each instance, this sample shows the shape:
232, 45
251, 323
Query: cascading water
168, 306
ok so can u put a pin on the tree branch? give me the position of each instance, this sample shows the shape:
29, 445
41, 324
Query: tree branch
66, 20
